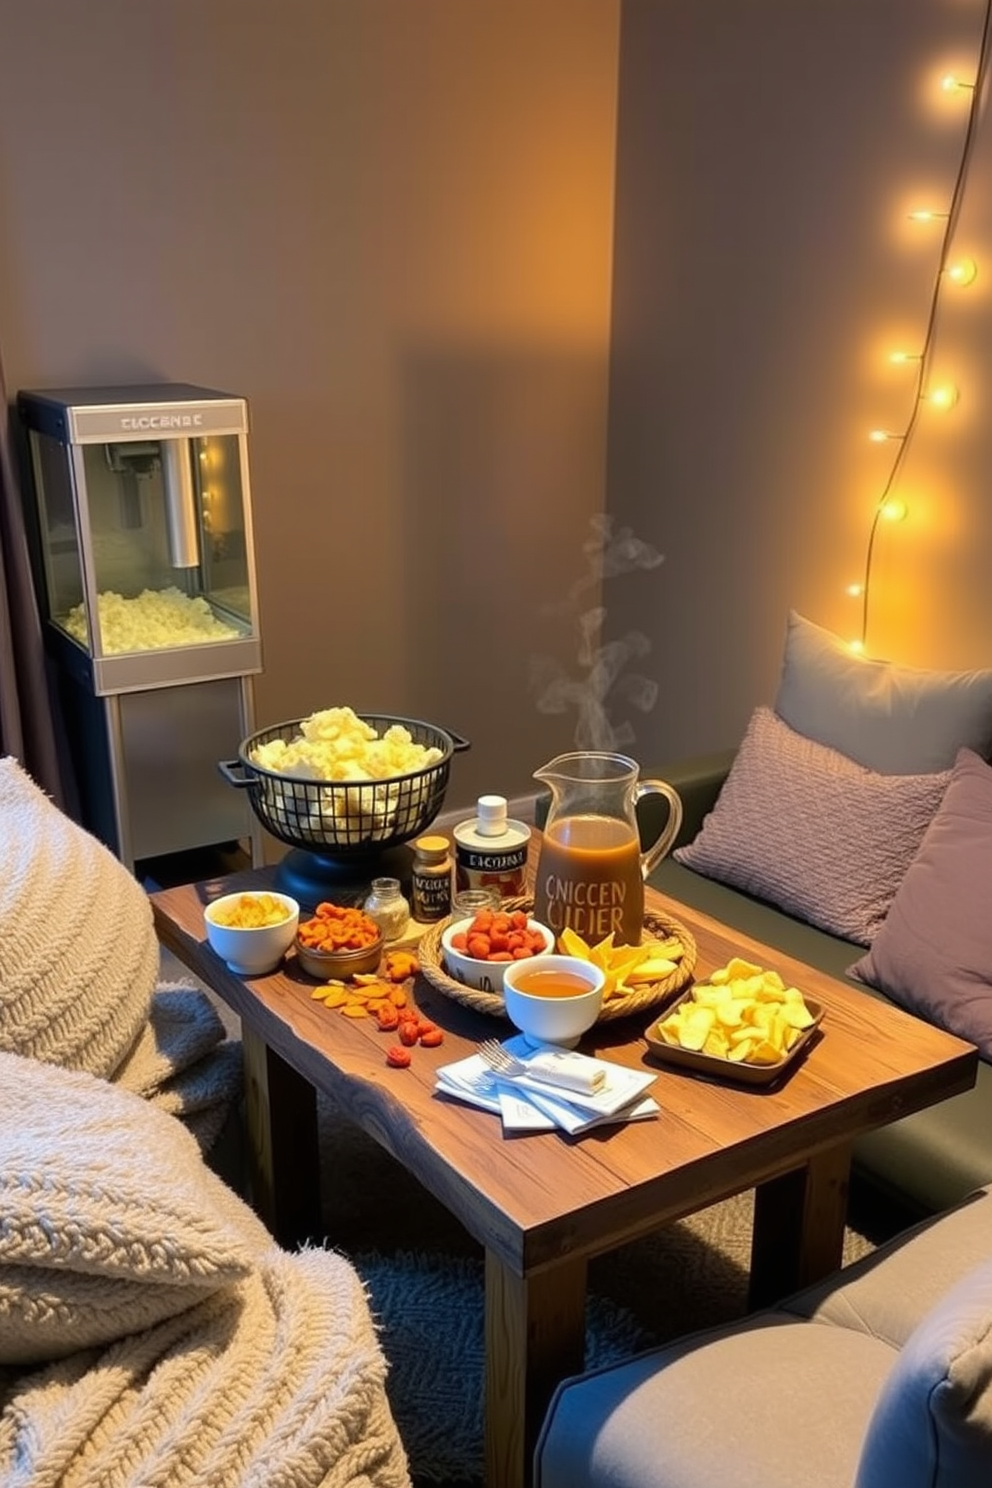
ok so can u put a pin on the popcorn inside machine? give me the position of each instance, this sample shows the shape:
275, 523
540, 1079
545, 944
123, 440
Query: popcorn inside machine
147, 586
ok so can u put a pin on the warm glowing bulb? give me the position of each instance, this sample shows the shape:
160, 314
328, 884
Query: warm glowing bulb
900, 358
945, 396
855, 590
951, 84
963, 272
879, 436
923, 214
857, 646
894, 510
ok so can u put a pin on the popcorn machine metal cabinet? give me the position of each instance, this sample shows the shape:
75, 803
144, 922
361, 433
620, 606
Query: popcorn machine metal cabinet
146, 561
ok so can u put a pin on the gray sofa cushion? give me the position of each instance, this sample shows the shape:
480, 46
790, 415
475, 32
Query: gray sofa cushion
932, 1427
890, 1292
749, 1406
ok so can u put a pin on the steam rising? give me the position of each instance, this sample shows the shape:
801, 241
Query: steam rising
602, 675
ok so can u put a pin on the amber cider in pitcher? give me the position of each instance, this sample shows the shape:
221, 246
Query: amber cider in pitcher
590, 868
589, 879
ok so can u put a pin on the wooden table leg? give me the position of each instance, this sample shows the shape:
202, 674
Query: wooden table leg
799, 1220
283, 1153
535, 1335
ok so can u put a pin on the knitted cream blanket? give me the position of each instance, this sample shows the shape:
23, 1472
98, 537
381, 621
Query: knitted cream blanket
79, 968
277, 1380
151, 1333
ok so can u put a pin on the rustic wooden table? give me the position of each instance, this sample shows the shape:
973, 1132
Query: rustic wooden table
542, 1204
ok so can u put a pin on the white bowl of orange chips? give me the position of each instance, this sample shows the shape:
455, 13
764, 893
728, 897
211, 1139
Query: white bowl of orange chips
252, 931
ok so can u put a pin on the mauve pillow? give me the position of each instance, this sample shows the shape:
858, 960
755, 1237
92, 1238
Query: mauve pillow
933, 955
809, 830
896, 719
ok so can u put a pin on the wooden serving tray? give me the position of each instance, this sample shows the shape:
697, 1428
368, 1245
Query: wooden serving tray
719, 1068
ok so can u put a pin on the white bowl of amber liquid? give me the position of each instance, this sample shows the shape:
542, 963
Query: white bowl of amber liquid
553, 999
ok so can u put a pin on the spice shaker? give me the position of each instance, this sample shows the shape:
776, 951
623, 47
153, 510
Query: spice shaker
388, 906
431, 880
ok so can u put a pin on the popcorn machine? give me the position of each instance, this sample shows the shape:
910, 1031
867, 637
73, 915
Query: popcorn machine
147, 578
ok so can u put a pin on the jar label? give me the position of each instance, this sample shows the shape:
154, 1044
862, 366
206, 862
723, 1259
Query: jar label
504, 871
481, 860
431, 896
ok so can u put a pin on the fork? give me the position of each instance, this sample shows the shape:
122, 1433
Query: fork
550, 1067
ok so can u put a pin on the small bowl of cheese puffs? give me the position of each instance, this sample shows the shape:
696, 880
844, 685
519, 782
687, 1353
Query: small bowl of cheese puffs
252, 932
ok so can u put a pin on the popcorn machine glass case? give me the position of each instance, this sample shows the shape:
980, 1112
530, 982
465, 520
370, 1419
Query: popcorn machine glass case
147, 569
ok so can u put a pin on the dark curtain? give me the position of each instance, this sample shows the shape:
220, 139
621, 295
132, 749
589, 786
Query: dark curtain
28, 726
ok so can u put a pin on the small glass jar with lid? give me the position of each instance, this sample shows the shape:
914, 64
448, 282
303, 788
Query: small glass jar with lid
466, 903
389, 907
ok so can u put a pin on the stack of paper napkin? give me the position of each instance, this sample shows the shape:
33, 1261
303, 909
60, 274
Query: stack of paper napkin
592, 1092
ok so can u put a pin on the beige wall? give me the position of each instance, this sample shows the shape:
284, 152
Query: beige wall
388, 224
768, 154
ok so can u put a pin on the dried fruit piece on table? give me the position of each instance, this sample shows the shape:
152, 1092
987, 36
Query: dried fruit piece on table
398, 997
408, 1032
335, 997
400, 965
398, 1057
388, 1017
355, 1010
432, 1038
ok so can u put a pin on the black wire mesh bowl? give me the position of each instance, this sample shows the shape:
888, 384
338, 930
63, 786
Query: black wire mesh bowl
341, 819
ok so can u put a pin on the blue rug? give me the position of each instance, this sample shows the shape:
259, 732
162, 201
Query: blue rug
429, 1307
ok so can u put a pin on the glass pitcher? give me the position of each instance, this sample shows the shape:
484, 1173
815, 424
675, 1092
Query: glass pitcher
590, 868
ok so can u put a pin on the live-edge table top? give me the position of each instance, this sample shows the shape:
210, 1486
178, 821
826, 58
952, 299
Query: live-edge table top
537, 1197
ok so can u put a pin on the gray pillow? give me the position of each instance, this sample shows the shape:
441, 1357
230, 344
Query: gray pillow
895, 719
109, 1219
808, 830
932, 1423
933, 955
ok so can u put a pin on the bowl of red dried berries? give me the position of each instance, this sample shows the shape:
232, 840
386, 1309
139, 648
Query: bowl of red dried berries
477, 951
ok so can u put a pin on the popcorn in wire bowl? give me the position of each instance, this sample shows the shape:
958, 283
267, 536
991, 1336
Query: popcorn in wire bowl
345, 782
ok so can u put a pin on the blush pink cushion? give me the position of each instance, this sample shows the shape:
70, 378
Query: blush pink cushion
933, 955
811, 831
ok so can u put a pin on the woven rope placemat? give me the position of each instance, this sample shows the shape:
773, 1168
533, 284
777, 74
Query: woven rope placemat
639, 999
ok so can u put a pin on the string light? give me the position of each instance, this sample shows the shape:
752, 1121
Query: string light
945, 396
960, 272
951, 84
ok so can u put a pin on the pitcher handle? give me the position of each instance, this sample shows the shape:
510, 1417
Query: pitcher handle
654, 854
